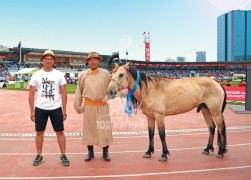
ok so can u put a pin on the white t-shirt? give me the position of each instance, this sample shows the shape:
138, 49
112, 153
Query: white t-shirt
48, 88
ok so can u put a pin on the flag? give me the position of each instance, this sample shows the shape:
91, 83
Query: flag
126, 52
144, 33
19, 45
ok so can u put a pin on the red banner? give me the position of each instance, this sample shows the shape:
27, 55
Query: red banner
147, 55
3, 57
235, 93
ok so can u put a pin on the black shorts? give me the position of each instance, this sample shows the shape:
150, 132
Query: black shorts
56, 116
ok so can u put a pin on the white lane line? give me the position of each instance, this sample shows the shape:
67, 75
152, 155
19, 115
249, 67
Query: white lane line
119, 152
134, 175
117, 137
128, 132
170, 135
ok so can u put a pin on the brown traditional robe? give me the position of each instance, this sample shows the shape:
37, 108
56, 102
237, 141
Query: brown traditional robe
92, 88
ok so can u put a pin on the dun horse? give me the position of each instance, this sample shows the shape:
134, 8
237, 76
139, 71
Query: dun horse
159, 97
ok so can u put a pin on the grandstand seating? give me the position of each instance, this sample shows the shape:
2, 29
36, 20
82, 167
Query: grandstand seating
219, 74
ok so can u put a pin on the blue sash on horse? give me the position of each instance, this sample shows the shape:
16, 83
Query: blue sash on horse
128, 108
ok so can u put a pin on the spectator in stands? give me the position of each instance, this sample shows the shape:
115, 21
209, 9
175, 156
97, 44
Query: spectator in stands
241, 84
49, 84
228, 83
91, 90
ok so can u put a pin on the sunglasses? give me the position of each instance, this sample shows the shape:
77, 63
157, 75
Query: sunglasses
49, 59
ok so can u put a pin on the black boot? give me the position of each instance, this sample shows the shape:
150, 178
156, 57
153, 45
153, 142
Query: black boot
90, 154
106, 154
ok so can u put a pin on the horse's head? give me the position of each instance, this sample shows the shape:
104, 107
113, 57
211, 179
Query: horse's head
119, 80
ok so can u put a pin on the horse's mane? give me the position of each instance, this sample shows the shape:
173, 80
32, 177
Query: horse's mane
114, 57
143, 77
132, 70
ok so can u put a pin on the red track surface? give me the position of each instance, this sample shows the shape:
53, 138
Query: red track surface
185, 162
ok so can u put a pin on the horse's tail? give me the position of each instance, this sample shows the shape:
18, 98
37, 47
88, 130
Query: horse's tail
224, 101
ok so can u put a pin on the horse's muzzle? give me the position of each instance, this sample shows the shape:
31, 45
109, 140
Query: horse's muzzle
111, 94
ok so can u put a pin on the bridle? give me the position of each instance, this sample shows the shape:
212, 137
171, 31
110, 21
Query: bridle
118, 83
128, 75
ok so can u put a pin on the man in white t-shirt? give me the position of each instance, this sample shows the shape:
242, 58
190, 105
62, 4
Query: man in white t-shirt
49, 85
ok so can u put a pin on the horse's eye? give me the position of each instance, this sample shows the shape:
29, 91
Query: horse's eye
121, 75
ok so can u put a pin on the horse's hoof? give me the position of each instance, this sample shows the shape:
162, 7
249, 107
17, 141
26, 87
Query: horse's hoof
219, 156
205, 152
162, 159
147, 156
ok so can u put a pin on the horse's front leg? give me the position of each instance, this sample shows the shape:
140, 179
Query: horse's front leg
162, 135
151, 129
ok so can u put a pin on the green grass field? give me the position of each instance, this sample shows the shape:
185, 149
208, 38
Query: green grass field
70, 88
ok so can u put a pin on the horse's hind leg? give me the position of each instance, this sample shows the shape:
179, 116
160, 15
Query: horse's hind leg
151, 129
162, 135
222, 138
211, 127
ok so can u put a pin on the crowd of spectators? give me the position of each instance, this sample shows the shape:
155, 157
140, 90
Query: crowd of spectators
218, 73
4, 73
178, 73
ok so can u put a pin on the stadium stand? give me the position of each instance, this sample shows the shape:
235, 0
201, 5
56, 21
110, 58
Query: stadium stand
72, 64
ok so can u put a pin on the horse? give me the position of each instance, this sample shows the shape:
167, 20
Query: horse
159, 97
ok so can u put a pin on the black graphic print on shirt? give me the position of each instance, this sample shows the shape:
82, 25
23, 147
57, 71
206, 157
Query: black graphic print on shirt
48, 88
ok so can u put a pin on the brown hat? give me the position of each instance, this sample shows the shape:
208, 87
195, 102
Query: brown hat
93, 55
48, 52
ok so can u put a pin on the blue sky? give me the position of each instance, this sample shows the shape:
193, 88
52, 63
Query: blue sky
177, 27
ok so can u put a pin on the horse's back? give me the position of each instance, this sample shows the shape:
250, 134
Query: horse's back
200, 84
204, 90
182, 95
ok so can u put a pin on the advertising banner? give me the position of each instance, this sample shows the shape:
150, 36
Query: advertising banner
235, 93
147, 52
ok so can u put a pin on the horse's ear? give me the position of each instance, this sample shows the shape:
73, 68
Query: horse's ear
116, 65
127, 65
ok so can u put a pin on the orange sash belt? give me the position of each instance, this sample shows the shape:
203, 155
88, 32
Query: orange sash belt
91, 103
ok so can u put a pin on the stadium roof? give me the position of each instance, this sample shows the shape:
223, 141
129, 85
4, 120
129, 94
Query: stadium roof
37, 51
28, 50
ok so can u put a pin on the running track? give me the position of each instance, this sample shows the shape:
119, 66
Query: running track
186, 137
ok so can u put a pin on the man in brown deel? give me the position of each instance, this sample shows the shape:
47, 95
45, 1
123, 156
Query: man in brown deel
90, 92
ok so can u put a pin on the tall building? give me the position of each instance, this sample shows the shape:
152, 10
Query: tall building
234, 36
181, 59
200, 56
170, 60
